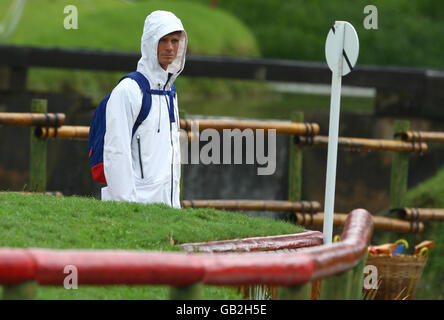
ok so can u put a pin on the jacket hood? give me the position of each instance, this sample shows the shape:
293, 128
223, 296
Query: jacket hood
158, 24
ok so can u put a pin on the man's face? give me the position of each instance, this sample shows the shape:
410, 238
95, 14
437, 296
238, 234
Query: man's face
167, 49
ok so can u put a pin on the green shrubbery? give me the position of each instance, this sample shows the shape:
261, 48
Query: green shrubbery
430, 194
409, 33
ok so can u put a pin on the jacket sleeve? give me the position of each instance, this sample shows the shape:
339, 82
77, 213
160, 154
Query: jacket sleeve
117, 159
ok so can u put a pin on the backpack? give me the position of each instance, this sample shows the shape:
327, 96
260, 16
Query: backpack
96, 138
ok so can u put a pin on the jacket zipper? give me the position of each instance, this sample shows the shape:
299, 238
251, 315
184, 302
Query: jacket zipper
171, 139
172, 162
160, 112
140, 156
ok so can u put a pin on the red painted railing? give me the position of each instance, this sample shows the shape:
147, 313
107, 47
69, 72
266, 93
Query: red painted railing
288, 241
112, 267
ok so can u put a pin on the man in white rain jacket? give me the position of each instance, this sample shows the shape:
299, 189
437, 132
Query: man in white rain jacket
146, 168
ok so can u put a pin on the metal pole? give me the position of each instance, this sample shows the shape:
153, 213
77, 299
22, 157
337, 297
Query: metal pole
333, 132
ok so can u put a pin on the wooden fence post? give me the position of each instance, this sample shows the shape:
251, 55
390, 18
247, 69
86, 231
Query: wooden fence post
299, 292
37, 165
358, 280
399, 170
344, 286
22, 291
191, 292
337, 287
295, 165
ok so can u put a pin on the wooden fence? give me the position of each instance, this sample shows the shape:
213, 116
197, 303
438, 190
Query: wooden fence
400, 91
45, 126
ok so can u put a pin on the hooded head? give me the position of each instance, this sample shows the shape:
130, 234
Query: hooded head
158, 24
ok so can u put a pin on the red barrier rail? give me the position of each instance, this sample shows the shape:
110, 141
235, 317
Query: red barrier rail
288, 241
112, 267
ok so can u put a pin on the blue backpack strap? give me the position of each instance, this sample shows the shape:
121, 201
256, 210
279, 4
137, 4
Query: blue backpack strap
171, 94
146, 99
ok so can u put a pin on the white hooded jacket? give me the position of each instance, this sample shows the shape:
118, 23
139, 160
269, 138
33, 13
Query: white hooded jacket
145, 168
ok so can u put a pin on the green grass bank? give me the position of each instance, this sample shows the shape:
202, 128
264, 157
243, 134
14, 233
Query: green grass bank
117, 25
86, 223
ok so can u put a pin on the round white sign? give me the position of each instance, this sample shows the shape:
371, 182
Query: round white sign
342, 47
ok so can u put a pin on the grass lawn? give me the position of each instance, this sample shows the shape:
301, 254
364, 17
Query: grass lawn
117, 25
86, 223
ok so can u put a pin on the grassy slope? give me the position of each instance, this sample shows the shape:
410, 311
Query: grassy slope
117, 25
294, 30
76, 222
430, 194
100, 26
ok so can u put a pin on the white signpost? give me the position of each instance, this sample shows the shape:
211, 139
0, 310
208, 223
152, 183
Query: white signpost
341, 52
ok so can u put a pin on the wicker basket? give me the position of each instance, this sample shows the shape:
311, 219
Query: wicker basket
398, 275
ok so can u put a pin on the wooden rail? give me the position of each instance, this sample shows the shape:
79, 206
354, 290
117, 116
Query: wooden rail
32, 119
426, 136
124, 267
306, 213
281, 127
365, 144
82, 132
300, 130
381, 223
254, 205
422, 214
64, 132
